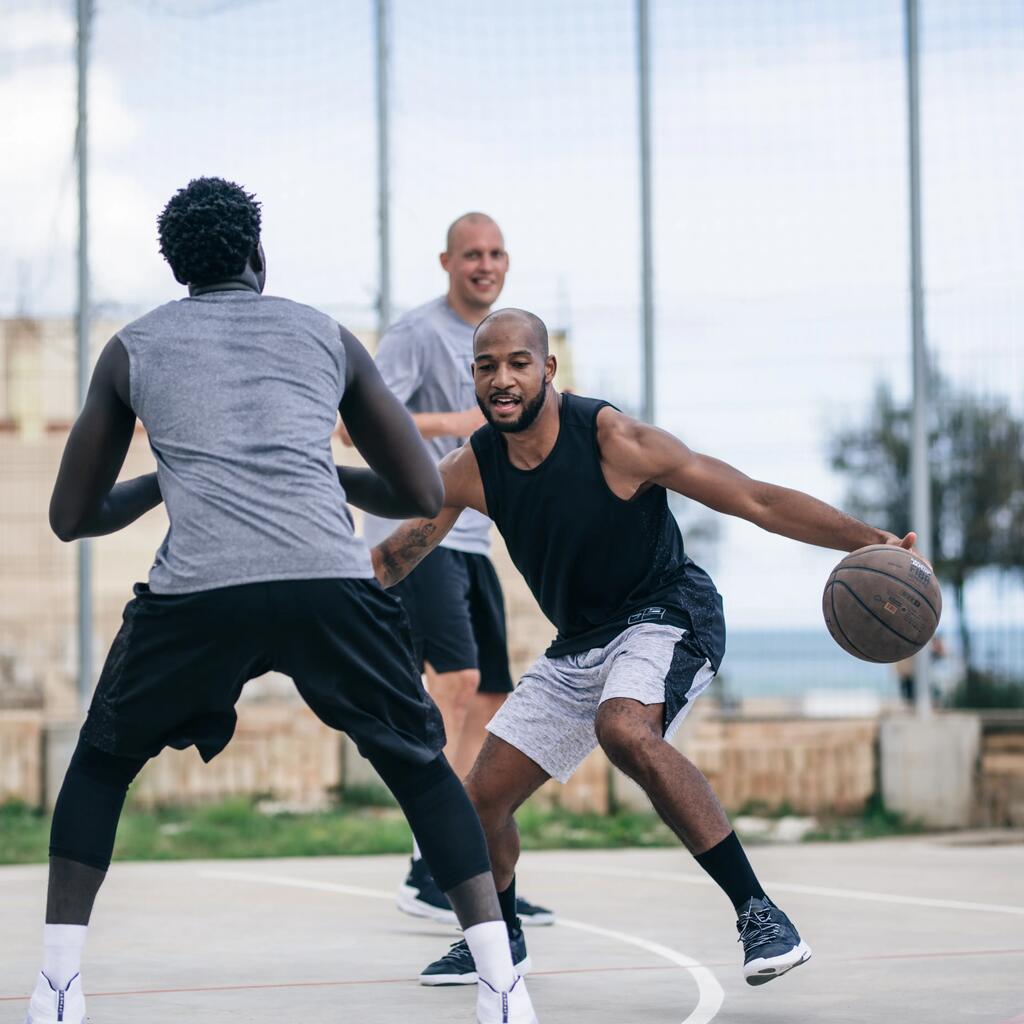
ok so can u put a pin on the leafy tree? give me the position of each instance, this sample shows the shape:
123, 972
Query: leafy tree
976, 449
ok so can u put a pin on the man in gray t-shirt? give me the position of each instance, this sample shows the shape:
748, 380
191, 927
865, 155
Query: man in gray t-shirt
453, 598
261, 570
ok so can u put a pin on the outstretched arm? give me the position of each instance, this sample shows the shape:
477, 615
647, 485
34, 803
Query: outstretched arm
398, 554
654, 456
86, 501
402, 479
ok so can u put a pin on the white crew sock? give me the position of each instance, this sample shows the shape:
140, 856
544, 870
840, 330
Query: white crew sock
416, 854
62, 952
488, 942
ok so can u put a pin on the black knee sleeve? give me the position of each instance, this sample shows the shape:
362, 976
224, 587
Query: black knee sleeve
89, 805
440, 815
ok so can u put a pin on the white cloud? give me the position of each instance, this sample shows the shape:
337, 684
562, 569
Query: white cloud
32, 28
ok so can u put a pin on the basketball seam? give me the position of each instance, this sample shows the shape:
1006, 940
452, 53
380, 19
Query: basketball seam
885, 625
839, 626
879, 572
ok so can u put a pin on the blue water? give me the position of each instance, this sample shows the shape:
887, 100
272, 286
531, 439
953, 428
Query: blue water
785, 663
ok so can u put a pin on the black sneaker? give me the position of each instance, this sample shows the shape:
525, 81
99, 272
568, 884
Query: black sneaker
771, 945
456, 967
420, 896
530, 914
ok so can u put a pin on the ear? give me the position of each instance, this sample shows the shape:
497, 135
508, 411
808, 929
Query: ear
445, 260
550, 368
256, 258
179, 278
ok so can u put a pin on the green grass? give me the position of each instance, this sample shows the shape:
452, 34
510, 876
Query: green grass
235, 828
366, 823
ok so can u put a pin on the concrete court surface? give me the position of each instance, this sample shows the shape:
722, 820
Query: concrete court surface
904, 930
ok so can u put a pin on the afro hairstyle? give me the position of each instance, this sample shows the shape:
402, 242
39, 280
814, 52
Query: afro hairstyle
208, 230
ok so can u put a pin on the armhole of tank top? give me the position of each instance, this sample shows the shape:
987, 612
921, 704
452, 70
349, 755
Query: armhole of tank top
343, 382
134, 381
483, 449
597, 445
600, 469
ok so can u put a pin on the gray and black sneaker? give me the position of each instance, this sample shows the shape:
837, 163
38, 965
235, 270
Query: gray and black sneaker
532, 914
456, 967
771, 945
420, 896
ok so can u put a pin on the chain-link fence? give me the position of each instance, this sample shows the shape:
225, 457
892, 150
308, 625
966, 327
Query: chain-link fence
780, 243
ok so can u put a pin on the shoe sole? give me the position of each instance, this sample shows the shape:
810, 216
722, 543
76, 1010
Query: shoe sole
763, 970
523, 967
536, 920
409, 903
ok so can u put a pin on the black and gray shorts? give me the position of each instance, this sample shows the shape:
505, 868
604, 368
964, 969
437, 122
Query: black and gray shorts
457, 613
179, 662
550, 717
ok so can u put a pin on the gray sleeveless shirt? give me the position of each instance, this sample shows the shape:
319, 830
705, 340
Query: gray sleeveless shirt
239, 393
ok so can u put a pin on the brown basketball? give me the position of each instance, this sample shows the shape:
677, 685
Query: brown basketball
882, 603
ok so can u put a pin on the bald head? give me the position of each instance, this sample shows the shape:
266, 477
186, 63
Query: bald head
476, 263
467, 221
524, 327
512, 370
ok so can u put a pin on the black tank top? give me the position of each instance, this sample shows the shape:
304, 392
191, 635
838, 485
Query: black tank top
596, 563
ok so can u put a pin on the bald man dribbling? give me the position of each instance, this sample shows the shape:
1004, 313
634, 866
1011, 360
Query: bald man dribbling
578, 491
454, 600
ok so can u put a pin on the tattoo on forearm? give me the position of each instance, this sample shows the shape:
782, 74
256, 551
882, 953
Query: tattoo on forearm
401, 552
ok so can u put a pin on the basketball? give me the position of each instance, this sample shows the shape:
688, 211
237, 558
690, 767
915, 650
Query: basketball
882, 603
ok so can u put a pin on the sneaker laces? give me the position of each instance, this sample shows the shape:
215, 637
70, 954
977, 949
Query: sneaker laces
455, 950
758, 929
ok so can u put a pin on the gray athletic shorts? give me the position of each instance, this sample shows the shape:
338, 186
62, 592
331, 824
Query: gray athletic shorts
550, 715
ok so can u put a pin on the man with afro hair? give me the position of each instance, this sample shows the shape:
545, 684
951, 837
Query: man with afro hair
260, 570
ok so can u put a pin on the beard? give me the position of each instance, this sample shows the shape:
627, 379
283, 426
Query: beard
530, 411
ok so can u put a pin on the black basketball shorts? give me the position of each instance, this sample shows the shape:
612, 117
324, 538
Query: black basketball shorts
179, 662
457, 613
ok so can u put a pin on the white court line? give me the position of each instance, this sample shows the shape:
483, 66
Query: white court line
710, 994
808, 890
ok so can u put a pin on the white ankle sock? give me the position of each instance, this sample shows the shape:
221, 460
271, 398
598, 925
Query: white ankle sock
62, 952
416, 855
488, 942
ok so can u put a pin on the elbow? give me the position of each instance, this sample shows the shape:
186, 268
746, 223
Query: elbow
63, 528
431, 502
66, 523
429, 499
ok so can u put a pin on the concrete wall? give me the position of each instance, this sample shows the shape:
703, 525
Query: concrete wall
930, 767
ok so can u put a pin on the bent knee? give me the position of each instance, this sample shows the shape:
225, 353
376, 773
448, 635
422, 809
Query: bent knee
457, 688
629, 745
493, 806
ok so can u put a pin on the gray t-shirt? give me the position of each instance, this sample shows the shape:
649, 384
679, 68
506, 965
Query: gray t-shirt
239, 394
425, 357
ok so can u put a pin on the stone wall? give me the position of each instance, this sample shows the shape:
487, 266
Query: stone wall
1001, 770
280, 750
21, 757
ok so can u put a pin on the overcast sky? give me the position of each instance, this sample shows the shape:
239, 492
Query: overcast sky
779, 174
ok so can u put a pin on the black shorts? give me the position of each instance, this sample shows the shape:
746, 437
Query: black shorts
457, 613
179, 662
